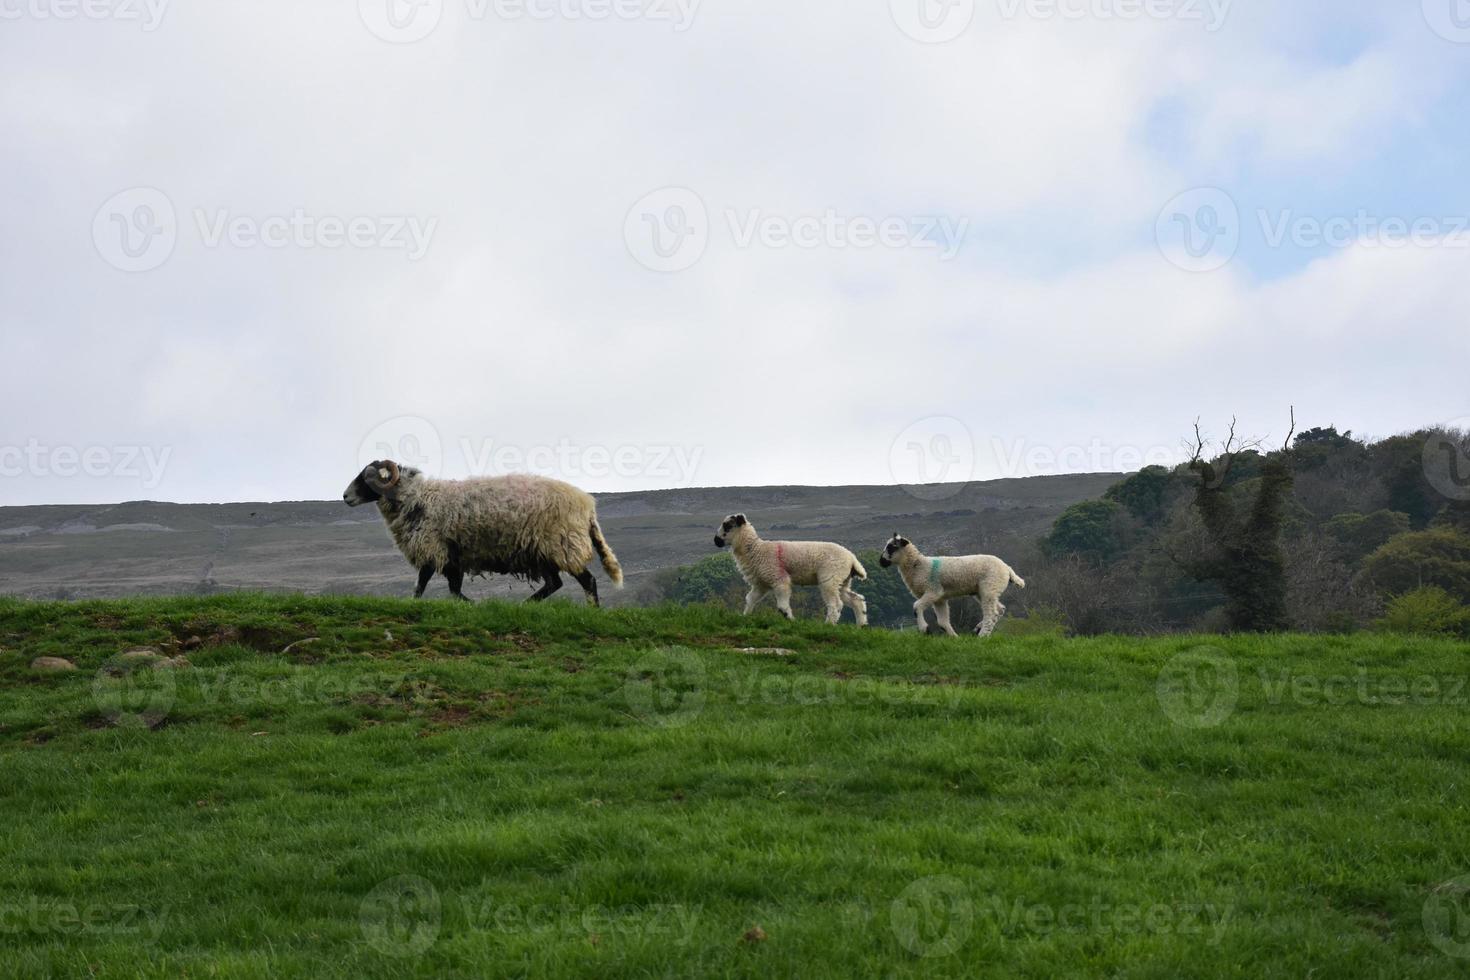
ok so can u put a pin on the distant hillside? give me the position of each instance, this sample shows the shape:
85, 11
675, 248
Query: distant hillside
146, 548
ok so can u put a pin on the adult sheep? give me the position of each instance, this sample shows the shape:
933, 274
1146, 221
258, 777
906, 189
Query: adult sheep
935, 581
530, 527
774, 566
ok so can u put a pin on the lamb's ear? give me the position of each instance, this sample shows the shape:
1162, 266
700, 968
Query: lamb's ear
740, 520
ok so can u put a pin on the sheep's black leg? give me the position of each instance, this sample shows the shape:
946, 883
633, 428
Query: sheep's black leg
589, 585
425, 575
553, 582
454, 572
455, 575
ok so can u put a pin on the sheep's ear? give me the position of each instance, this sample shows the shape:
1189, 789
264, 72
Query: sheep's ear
740, 520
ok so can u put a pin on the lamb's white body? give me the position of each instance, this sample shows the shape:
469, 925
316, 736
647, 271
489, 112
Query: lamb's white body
773, 567
935, 581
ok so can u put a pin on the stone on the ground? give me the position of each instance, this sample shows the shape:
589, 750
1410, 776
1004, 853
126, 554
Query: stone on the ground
52, 665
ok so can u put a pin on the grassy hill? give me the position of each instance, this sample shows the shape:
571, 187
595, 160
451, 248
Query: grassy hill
368, 787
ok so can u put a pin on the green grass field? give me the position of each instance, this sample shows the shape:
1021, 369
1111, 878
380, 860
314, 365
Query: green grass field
494, 790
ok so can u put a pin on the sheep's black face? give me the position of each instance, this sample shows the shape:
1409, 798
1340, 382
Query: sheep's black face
359, 492
895, 545
728, 528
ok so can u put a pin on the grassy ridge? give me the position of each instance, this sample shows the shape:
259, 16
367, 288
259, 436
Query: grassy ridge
436, 789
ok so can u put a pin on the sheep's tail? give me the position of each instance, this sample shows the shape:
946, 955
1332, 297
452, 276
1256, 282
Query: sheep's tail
609, 560
1016, 578
858, 571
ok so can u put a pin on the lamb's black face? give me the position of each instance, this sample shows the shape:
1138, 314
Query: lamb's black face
728, 528
895, 545
359, 492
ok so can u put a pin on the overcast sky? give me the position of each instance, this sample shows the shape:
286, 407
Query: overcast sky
661, 243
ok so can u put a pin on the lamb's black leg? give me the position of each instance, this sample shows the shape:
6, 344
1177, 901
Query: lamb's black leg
589, 585
425, 575
553, 582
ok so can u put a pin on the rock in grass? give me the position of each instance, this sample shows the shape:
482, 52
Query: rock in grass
140, 655
52, 665
172, 663
755, 934
766, 652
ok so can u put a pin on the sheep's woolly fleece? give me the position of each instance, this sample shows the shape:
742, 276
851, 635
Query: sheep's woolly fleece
515, 525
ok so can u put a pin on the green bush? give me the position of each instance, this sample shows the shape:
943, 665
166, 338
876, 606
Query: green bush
1430, 611
1410, 561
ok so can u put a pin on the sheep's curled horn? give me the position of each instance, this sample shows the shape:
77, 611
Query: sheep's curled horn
385, 475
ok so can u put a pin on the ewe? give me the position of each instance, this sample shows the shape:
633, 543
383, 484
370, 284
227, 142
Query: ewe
529, 527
